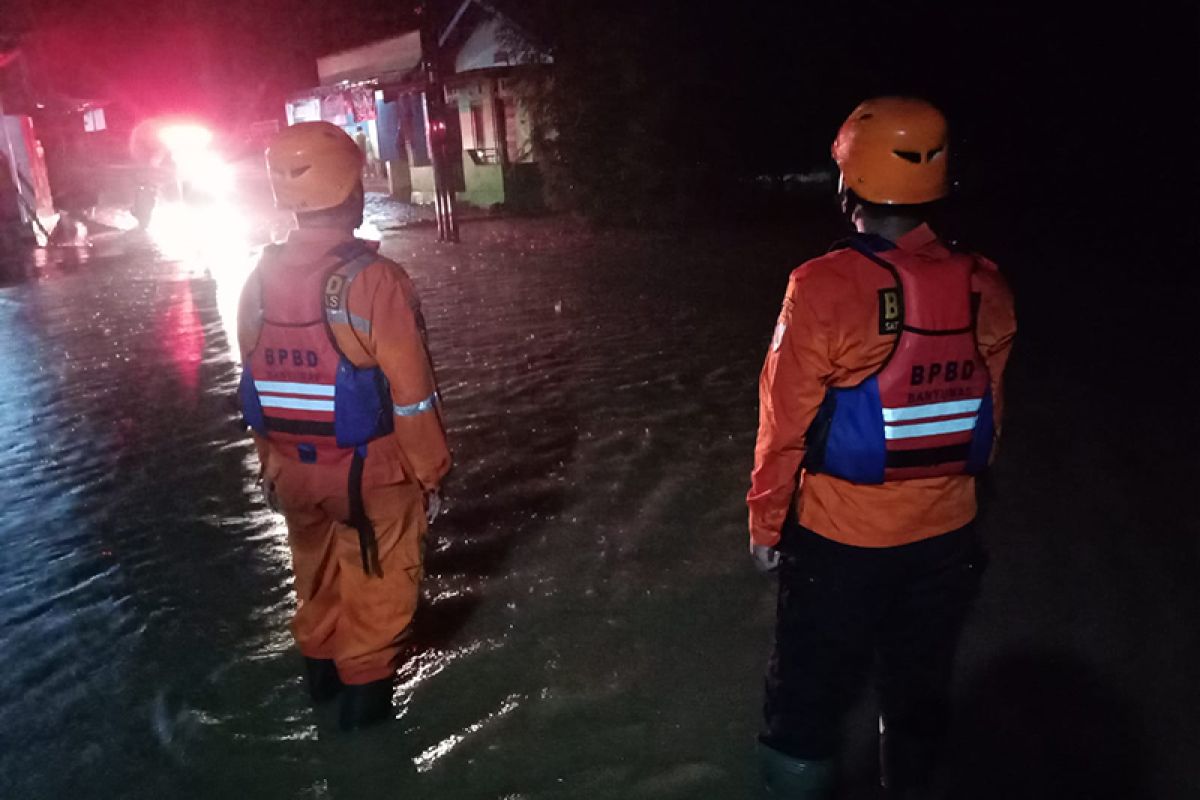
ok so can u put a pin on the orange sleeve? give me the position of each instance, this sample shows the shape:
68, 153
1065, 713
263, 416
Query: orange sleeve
249, 315
397, 343
790, 391
995, 329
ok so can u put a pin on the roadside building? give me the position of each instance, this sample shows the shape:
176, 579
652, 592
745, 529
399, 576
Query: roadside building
376, 93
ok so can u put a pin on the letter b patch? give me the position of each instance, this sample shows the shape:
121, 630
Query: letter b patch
891, 312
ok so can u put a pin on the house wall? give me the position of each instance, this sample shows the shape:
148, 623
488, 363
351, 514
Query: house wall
485, 183
484, 158
421, 179
399, 179
482, 155
478, 94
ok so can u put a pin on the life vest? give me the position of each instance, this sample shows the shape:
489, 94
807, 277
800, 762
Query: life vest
927, 411
300, 391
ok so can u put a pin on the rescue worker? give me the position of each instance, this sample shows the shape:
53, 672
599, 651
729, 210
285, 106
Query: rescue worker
880, 401
338, 389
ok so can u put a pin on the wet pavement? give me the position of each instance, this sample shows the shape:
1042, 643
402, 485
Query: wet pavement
592, 627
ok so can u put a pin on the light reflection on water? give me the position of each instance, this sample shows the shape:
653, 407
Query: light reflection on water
212, 240
125, 471
426, 760
148, 593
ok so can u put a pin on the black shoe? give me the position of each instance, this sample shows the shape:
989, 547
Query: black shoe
322, 677
366, 704
795, 779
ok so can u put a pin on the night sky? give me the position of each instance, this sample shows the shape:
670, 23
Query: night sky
218, 57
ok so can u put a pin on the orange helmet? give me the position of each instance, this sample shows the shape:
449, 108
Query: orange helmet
892, 150
313, 165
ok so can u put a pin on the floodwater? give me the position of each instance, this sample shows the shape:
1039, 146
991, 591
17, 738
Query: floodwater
592, 626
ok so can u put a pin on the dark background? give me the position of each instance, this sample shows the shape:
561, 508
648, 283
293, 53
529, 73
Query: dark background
660, 104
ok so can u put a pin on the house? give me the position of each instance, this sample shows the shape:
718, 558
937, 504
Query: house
377, 94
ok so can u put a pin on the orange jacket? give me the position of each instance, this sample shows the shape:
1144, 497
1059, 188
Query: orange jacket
828, 335
384, 295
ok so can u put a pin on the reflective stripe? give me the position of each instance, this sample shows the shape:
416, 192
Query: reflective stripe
360, 324
931, 410
416, 408
314, 389
928, 428
296, 403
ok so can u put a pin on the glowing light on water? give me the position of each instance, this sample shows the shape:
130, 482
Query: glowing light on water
210, 240
181, 334
425, 761
425, 665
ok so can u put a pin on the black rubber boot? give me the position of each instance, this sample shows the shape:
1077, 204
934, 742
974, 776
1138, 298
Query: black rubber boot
321, 675
366, 704
795, 779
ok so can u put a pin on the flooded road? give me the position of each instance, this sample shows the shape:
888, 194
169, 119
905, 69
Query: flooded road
592, 627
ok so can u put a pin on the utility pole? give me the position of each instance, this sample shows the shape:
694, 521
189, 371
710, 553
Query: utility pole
435, 126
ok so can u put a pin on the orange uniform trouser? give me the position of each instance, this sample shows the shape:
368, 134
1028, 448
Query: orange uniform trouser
357, 620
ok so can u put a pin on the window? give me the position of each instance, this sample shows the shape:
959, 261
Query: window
478, 130
93, 120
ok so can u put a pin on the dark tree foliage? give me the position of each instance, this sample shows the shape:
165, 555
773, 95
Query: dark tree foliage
642, 118
673, 110
670, 109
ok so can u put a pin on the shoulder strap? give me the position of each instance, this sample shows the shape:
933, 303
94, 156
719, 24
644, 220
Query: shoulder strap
352, 258
862, 246
863, 242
